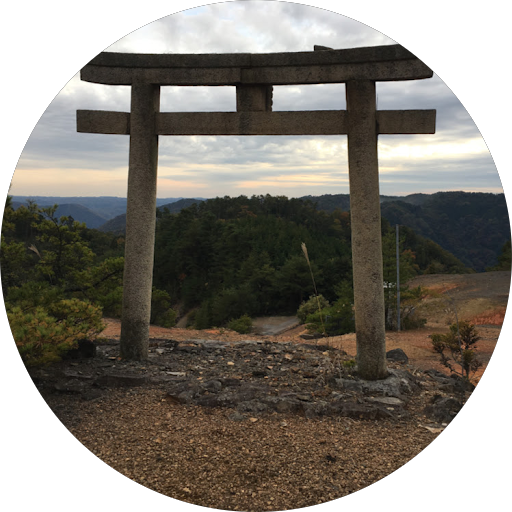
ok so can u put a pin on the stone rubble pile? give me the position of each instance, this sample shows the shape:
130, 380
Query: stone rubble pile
253, 377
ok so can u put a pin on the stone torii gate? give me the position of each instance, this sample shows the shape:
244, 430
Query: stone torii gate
254, 75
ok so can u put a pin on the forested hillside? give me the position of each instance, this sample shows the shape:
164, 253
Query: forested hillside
235, 256
220, 259
472, 226
117, 225
106, 207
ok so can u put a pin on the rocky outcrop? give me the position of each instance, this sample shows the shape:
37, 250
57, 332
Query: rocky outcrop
254, 377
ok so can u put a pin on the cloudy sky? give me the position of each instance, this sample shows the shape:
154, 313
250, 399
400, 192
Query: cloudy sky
58, 161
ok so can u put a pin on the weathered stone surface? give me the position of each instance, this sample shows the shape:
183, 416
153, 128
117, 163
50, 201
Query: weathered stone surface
397, 355
70, 386
386, 400
245, 60
392, 122
443, 409
360, 411
397, 384
253, 406
451, 384
366, 229
229, 382
234, 388
85, 348
389, 62
118, 380
254, 98
140, 222
318, 122
349, 385
259, 396
236, 416
212, 386
101, 121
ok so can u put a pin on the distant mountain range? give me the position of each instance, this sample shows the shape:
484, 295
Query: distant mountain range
105, 207
117, 225
472, 226
331, 202
94, 211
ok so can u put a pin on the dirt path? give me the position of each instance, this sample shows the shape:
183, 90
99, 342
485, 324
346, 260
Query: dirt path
478, 298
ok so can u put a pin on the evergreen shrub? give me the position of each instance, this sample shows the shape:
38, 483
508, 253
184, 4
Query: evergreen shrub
242, 325
43, 335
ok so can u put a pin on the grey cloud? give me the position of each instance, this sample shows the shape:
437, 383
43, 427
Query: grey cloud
438, 180
239, 150
256, 26
198, 99
310, 97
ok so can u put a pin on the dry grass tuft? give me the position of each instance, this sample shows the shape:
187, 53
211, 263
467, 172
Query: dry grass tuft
492, 317
305, 251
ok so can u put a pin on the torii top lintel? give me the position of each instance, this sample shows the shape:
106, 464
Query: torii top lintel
378, 63
254, 75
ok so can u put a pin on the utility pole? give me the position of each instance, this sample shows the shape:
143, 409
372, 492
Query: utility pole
398, 278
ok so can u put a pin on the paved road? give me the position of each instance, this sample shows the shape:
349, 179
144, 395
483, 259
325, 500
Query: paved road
272, 325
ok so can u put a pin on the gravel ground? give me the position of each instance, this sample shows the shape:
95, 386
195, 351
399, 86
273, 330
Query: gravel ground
271, 462
267, 461
202, 455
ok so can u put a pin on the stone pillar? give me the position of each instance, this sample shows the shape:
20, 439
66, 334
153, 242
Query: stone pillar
366, 229
254, 98
140, 222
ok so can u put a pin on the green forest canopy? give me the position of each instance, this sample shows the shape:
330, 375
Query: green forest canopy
234, 256
221, 258
473, 226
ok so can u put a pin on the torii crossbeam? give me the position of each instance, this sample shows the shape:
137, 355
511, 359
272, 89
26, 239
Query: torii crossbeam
253, 75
